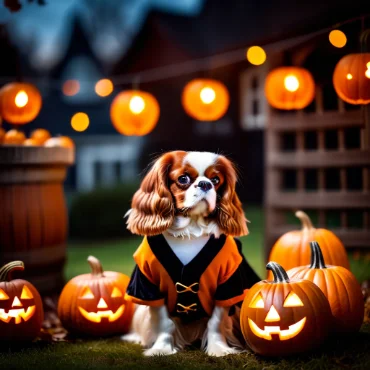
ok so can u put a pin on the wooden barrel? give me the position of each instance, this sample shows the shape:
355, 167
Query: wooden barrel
33, 212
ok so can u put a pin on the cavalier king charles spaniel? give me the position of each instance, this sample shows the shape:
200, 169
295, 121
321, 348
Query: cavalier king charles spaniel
190, 276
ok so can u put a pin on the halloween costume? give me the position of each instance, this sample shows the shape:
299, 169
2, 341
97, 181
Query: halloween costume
217, 275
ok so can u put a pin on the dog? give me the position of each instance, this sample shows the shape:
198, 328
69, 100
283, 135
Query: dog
190, 276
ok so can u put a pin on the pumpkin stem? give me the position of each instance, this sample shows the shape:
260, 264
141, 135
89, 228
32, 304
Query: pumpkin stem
317, 259
280, 275
305, 220
6, 270
96, 267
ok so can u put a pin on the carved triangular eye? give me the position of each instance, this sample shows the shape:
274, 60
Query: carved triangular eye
87, 293
257, 302
3, 295
116, 293
26, 293
292, 300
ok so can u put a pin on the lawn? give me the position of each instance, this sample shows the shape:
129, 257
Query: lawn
76, 353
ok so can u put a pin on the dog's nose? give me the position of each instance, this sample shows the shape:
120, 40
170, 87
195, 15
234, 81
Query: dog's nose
205, 185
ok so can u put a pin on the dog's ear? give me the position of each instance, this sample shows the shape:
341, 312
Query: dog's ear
152, 210
230, 215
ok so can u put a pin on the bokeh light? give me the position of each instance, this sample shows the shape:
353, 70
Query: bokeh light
207, 95
71, 87
104, 87
337, 38
21, 99
291, 83
256, 55
137, 104
80, 121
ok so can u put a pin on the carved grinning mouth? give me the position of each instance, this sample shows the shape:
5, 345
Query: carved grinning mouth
18, 314
293, 330
97, 316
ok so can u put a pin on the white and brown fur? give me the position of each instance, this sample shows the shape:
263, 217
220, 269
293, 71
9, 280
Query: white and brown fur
186, 214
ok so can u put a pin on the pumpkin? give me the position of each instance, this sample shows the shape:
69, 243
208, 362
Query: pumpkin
31, 142
60, 141
351, 78
2, 134
339, 286
20, 103
14, 137
205, 99
134, 112
289, 88
40, 135
293, 249
21, 310
94, 303
283, 316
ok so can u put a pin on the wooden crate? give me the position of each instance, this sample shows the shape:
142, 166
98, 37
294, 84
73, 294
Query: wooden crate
333, 184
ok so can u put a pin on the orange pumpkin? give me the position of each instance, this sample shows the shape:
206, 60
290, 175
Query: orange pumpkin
289, 88
339, 286
2, 134
351, 78
205, 99
21, 311
284, 316
20, 103
134, 112
94, 303
293, 248
14, 137
40, 135
60, 141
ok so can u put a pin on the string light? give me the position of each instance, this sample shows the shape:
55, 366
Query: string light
71, 87
349, 76
80, 121
104, 87
21, 99
207, 95
256, 55
337, 38
137, 104
291, 83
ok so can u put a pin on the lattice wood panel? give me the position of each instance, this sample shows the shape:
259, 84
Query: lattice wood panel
319, 162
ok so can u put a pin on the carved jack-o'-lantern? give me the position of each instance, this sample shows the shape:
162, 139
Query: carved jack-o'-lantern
21, 311
94, 303
283, 316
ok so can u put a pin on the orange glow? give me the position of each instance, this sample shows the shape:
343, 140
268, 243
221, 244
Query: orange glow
272, 315
21, 99
102, 303
349, 76
137, 104
17, 302
87, 293
367, 73
207, 95
292, 300
257, 302
104, 87
337, 38
18, 314
26, 293
3, 295
256, 55
80, 121
71, 87
291, 83
116, 293
97, 316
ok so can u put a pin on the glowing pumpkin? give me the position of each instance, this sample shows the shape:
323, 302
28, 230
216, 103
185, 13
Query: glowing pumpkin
94, 303
289, 88
40, 135
293, 248
21, 311
283, 317
351, 78
205, 99
31, 142
20, 103
134, 112
340, 288
60, 141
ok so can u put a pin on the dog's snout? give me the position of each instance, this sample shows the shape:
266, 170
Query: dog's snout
205, 185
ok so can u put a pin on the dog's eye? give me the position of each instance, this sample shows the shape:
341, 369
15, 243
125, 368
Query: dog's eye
184, 180
215, 180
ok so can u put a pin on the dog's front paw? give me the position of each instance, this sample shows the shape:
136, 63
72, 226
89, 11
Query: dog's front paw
218, 347
163, 346
131, 338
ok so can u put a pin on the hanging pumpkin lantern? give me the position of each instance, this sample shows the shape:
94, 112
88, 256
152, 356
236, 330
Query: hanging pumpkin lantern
20, 103
283, 317
205, 99
351, 78
94, 303
289, 88
21, 311
293, 249
339, 286
134, 112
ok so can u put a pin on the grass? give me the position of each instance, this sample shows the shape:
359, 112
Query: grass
340, 352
